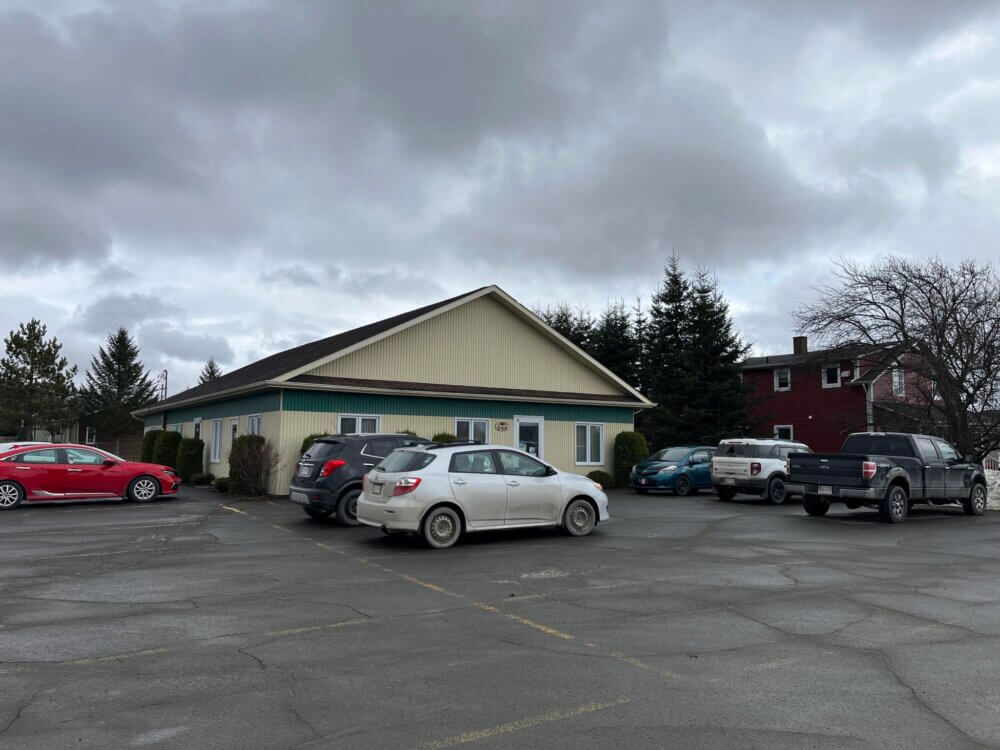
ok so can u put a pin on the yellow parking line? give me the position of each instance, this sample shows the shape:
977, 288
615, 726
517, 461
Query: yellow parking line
280, 528
517, 726
525, 621
234, 510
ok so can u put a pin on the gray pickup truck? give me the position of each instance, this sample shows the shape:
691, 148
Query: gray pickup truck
887, 471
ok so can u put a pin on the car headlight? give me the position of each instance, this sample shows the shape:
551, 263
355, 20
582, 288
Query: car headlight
667, 470
634, 467
599, 486
170, 472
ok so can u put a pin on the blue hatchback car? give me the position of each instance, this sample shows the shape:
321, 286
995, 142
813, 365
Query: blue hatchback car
683, 470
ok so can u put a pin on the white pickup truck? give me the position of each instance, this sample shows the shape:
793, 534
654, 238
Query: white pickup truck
753, 467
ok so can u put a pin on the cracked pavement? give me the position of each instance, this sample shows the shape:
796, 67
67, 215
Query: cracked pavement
684, 621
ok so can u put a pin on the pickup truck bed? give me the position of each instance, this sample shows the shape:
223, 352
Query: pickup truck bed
902, 470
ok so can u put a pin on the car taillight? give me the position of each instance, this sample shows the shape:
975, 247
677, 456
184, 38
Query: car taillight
406, 485
868, 469
754, 469
331, 466
788, 466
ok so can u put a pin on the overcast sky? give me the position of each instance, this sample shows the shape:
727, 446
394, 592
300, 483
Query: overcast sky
229, 179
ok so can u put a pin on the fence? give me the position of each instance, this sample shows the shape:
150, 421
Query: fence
130, 450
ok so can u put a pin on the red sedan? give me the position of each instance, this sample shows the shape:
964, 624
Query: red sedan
61, 473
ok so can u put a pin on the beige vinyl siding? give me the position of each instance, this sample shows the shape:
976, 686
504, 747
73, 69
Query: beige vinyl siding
481, 343
560, 438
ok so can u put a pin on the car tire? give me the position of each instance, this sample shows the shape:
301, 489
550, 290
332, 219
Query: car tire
579, 518
894, 507
815, 506
975, 503
442, 527
11, 495
776, 491
143, 489
347, 508
318, 514
682, 486
725, 494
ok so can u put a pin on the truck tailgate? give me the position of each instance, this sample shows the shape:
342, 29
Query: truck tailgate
842, 470
732, 468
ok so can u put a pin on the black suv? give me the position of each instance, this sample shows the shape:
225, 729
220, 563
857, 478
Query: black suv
328, 476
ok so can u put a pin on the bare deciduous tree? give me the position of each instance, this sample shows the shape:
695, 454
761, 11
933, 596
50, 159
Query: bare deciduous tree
944, 317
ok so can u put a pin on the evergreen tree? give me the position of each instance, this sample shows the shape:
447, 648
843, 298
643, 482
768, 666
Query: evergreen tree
117, 384
576, 325
715, 400
667, 372
210, 371
639, 344
613, 342
36, 382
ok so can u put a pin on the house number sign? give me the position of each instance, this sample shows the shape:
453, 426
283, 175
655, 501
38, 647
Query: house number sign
501, 426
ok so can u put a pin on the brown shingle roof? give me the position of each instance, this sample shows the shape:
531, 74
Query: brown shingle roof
284, 362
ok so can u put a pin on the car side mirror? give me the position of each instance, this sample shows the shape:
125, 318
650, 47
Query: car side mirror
968, 459
693, 462
108, 462
550, 471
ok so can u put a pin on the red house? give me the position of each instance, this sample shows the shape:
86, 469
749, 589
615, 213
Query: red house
820, 397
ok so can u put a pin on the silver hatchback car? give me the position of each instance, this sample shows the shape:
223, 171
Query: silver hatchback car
442, 491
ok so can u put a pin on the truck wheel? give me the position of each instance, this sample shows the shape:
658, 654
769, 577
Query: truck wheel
725, 493
975, 503
776, 491
815, 506
895, 505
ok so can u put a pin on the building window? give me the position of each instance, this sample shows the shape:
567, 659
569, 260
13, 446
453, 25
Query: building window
253, 424
898, 381
234, 430
831, 376
351, 423
473, 429
177, 428
782, 379
91, 436
784, 432
216, 455
589, 444
197, 428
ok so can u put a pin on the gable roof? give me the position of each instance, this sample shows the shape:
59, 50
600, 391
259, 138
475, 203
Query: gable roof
286, 366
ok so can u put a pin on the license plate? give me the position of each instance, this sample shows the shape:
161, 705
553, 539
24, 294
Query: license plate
730, 481
824, 490
377, 489
304, 470
643, 481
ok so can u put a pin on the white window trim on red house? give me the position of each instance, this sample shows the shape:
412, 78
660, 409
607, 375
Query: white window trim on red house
789, 427
822, 375
780, 369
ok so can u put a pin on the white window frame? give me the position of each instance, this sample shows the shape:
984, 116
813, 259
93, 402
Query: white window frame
789, 386
179, 427
233, 421
588, 462
215, 454
822, 376
789, 427
359, 417
250, 421
472, 429
90, 436
197, 428
898, 371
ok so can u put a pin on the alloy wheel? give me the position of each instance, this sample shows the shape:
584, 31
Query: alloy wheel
979, 499
144, 489
9, 495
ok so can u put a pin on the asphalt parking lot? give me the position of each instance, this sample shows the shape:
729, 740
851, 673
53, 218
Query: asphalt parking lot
685, 621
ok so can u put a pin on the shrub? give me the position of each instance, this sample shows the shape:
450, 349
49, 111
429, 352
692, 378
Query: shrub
149, 445
165, 450
201, 478
630, 449
252, 461
444, 437
408, 431
190, 458
310, 439
602, 478
221, 484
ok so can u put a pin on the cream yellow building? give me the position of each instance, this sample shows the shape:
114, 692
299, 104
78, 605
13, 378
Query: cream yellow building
480, 366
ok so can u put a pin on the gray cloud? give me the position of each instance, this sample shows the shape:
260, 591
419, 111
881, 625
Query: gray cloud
167, 341
127, 310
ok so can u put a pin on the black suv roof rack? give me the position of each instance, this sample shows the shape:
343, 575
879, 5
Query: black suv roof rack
452, 444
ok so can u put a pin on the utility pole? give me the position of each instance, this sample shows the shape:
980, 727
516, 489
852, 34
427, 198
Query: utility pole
162, 380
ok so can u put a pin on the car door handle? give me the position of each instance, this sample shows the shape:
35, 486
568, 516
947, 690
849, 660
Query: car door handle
458, 481
74, 470
513, 484
23, 468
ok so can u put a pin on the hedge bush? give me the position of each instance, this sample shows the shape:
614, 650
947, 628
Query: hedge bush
202, 478
221, 484
310, 439
165, 450
190, 458
252, 461
630, 449
602, 478
149, 445
444, 437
